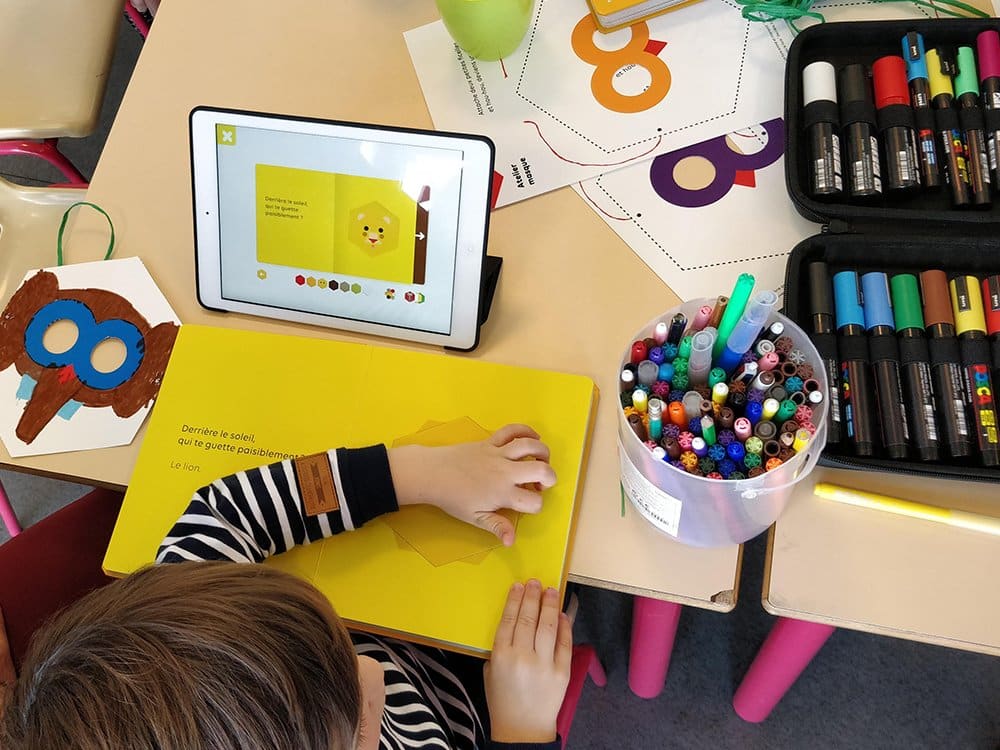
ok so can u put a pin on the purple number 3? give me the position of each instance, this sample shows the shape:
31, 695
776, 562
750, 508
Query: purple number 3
726, 162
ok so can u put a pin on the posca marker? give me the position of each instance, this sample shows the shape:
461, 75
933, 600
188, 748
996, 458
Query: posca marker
949, 135
988, 50
967, 305
821, 315
822, 122
946, 371
915, 366
884, 354
923, 116
895, 122
991, 296
857, 113
970, 116
855, 382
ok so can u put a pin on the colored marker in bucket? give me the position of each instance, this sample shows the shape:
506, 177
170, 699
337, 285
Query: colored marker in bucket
697, 395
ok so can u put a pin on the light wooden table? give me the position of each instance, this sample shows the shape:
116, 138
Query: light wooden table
570, 295
833, 565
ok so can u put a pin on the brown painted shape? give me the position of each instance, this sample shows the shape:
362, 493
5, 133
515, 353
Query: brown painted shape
125, 400
420, 243
56, 386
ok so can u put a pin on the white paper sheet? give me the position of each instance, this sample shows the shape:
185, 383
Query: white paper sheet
554, 126
701, 216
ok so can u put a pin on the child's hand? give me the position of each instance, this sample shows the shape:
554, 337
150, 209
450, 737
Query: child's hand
527, 675
471, 481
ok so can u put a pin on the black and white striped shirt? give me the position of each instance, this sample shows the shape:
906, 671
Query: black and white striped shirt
251, 515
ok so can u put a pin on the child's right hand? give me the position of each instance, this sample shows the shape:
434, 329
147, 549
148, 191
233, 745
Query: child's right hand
472, 481
527, 675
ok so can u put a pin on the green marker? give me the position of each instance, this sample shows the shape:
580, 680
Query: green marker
708, 430
917, 376
684, 349
971, 117
737, 302
785, 411
716, 376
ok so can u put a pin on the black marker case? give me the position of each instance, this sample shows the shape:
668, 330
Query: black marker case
905, 233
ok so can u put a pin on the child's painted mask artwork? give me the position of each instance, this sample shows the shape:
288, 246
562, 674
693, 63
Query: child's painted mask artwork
61, 398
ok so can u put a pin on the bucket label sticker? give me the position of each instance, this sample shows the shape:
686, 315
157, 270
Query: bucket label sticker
661, 509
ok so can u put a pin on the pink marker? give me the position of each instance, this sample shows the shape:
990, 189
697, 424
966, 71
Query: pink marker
743, 429
660, 333
768, 362
700, 318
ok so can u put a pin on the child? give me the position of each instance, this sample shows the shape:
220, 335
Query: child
224, 656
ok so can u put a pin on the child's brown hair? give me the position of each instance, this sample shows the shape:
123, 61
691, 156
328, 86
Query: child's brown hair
190, 655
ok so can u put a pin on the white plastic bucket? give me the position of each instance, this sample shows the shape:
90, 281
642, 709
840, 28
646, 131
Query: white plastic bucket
707, 512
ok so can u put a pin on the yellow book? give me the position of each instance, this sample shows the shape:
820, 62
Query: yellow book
615, 14
232, 400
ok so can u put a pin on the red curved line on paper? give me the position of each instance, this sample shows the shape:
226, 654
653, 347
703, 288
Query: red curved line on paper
598, 208
655, 146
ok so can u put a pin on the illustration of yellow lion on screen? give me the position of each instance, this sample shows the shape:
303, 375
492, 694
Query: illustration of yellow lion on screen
374, 228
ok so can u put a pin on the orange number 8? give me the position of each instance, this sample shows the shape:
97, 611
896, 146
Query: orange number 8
608, 62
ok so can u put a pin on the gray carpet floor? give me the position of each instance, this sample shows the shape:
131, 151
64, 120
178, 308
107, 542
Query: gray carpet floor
861, 691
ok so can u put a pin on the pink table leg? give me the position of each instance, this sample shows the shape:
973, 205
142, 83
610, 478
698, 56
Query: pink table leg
654, 625
789, 648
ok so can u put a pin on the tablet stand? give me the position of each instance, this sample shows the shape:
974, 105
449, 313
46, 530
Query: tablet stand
491, 275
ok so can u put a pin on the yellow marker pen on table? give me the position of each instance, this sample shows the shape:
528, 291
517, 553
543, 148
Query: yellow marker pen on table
860, 498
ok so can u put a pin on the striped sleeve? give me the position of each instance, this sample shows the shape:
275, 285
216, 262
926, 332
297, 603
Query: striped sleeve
251, 515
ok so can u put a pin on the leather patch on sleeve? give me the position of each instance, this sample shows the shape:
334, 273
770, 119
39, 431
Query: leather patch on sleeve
315, 477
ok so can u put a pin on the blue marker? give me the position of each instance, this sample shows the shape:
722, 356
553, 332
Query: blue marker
855, 381
920, 99
883, 349
747, 329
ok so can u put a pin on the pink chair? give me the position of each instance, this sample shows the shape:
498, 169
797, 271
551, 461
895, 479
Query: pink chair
55, 57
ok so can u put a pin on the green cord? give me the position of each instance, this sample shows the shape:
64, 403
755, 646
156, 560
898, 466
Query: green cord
62, 229
790, 11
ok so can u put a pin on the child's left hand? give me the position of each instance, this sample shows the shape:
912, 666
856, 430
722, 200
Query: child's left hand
471, 481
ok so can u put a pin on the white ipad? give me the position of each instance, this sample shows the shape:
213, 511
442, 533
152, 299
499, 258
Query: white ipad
359, 227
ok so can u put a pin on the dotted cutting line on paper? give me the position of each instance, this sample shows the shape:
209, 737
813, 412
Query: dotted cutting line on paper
666, 252
660, 132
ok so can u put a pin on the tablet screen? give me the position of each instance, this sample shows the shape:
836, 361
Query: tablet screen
351, 228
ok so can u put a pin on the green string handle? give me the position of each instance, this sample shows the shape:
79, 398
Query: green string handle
790, 11
62, 229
